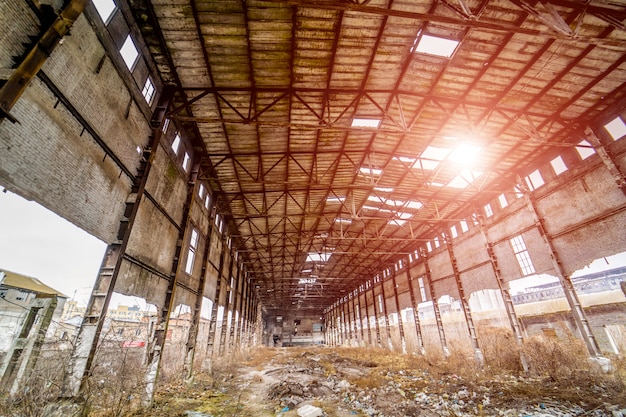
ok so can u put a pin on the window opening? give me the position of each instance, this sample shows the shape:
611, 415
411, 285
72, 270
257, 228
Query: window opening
558, 165
585, 150
166, 124
105, 9
148, 91
534, 180
176, 143
186, 161
201, 191
522, 255
420, 282
129, 52
502, 201
616, 128
191, 253
434, 45
453, 231
488, 210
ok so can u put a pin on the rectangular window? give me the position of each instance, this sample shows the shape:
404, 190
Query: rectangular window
186, 162
420, 282
488, 210
616, 128
201, 191
585, 150
191, 253
207, 201
558, 165
166, 124
429, 246
21, 295
522, 255
380, 303
502, 201
129, 52
453, 231
436, 240
464, 227
534, 180
176, 143
148, 91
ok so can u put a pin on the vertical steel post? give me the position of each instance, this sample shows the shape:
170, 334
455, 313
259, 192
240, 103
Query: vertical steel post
367, 319
416, 320
433, 296
395, 295
385, 315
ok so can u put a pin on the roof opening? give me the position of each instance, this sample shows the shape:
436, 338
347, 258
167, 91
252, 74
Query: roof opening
616, 128
363, 122
434, 45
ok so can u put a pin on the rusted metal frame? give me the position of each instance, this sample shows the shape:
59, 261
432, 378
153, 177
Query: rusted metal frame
414, 306
215, 306
230, 106
269, 106
264, 173
187, 103
398, 311
192, 336
83, 353
433, 297
467, 311
576, 307
401, 126
514, 321
236, 162
226, 321
607, 159
464, 12
553, 20
299, 165
305, 104
21, 77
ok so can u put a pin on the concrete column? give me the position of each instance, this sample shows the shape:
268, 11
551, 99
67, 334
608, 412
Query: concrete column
467, 312
192, 337
385, 314
360, 318
226, 320
395, 296
89, 333
433, 296
218, 288
22, 356
376, 324
568, 287
416, 320
506, 295
367, 319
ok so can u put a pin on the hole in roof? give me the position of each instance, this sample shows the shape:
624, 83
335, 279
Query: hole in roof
318, 257
616, 128
435, 153
335, 199
370, 171
384, 189
465, 178
362, 122
464, 154
434, 45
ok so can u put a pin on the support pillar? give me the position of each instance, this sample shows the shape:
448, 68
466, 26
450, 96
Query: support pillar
376, 323
367, 319
192, 336
400, 324
22, 356
568, 287
607, 159
433, 296
226, 321
467, 312
215, 306
385, 315
506, 295
416, 320
89, 333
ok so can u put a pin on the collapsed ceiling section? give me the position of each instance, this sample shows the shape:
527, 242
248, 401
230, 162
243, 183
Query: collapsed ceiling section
341, 134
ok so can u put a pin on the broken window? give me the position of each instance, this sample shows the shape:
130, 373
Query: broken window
585, 150
522, 255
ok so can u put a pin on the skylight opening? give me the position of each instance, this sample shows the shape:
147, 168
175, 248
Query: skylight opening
335, 199
465, 178
343, 220
105, 9
616, 128
375, 199
435, 153
434, 45
371, 171
414, 204
397, 222
384, 189
404, 216
361, 122
304, 281
406, 160
129, 52
318, 257
464, 154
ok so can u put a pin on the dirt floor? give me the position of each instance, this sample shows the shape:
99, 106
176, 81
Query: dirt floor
370, 382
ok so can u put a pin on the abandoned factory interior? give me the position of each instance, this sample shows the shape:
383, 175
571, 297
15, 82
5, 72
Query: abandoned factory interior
313, 208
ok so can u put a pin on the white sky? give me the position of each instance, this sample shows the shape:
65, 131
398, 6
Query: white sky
38, 243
